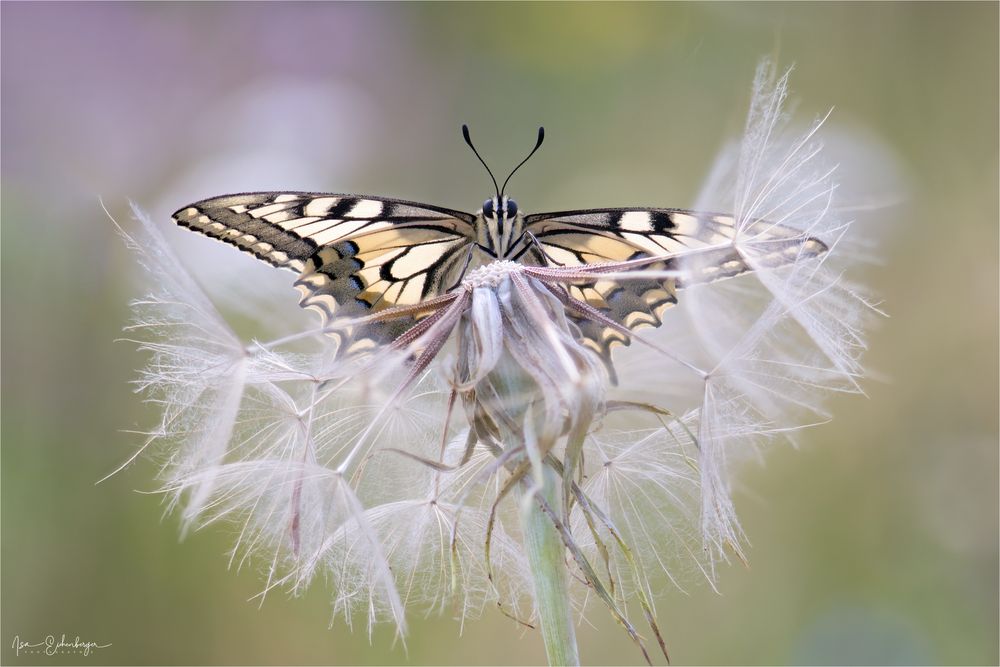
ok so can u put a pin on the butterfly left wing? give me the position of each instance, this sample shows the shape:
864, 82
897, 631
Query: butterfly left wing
700, 247
354, 254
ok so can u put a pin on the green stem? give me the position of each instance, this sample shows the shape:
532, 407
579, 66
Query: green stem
547, 559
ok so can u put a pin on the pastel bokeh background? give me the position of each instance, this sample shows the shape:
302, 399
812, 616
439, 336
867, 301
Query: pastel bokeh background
875, 542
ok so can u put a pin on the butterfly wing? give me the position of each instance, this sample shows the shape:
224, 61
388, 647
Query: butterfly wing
354, 254
698, 247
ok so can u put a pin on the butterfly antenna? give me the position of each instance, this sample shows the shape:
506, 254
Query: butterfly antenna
468, 140
541, 138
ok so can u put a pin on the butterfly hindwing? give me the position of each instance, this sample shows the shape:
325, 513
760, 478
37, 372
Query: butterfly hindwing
633, 303
376, 271
355, 254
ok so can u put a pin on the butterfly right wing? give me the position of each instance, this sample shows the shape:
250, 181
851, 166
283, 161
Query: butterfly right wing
355, 255
699, 247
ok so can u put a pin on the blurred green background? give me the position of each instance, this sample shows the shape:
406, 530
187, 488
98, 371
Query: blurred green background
875, 542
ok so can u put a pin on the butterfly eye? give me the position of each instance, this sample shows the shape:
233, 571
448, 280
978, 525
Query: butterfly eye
488, 208
511, 208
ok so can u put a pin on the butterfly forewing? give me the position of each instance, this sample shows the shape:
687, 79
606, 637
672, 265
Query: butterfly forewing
619, 234
355, 254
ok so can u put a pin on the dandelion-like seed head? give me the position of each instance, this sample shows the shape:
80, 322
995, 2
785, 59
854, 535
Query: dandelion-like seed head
416, 475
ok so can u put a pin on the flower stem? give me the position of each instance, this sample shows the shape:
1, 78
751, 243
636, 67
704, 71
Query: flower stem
546, 557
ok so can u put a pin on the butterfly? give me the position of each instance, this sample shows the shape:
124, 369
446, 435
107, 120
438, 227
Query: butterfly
357, 254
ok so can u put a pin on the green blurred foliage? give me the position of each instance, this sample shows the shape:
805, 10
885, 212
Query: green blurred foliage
875, 542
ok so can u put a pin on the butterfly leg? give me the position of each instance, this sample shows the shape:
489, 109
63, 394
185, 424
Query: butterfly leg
527, 246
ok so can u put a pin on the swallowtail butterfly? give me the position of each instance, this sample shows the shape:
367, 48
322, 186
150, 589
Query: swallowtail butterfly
356, 254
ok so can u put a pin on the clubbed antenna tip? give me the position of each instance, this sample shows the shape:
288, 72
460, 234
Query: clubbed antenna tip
468, 140
538, 143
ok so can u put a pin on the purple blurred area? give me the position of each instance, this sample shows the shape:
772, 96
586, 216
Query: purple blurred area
121, 99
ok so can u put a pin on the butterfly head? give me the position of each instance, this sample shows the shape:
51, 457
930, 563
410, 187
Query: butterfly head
503, 209
501, 226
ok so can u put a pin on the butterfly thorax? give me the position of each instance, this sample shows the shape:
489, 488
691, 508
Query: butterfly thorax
500, 227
